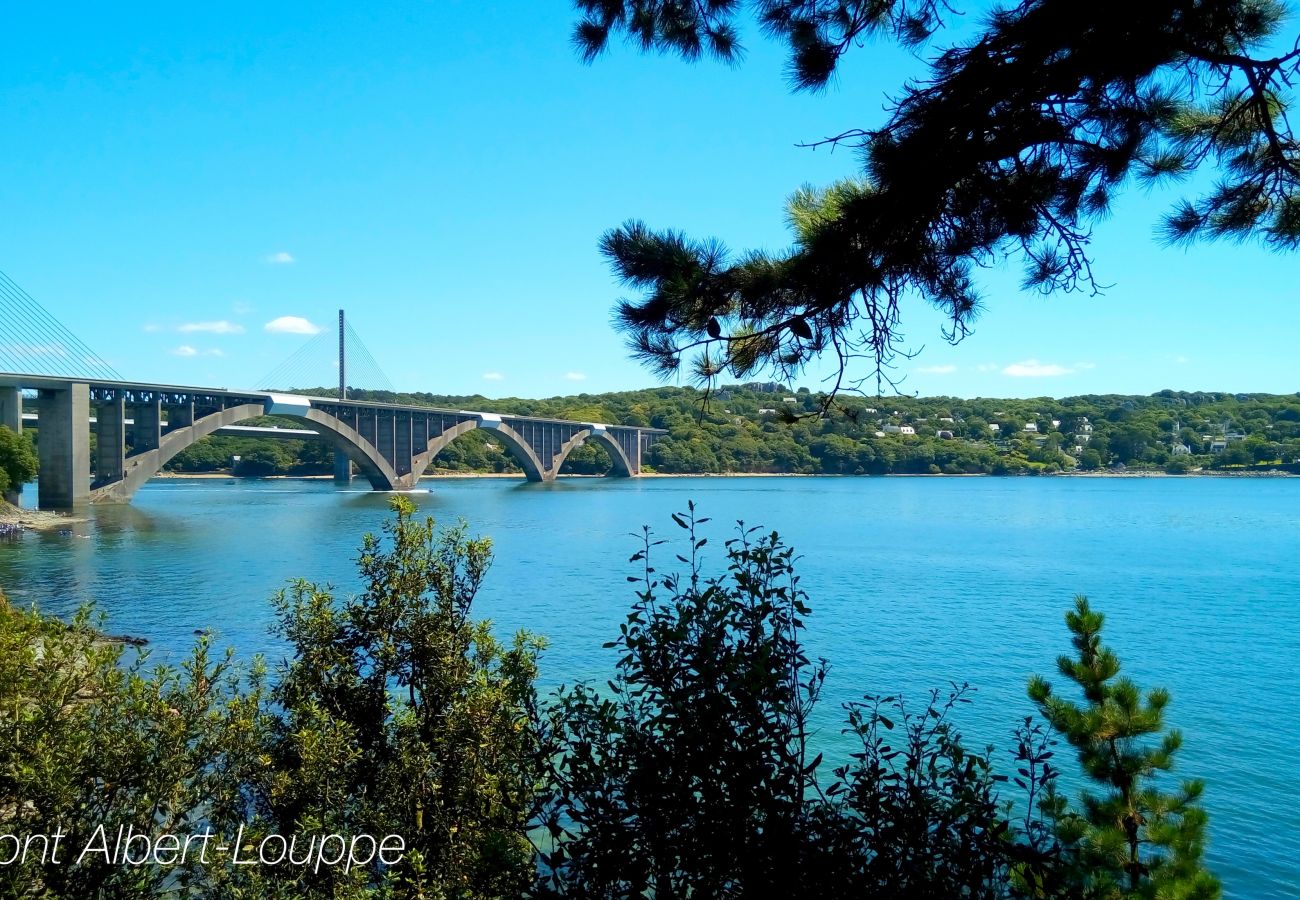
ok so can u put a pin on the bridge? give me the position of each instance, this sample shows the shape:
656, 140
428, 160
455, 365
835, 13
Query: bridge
138, 428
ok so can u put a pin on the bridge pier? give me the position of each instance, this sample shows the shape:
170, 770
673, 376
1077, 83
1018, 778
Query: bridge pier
110, 440
342, 468
146, 433
180, 415
11, 417
63, 446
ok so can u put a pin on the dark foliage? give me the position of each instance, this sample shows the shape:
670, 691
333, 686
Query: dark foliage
1014, 144
694, 774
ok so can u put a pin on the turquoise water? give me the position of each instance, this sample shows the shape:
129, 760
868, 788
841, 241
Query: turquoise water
914, 582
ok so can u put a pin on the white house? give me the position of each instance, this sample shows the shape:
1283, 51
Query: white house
906, 429
1031, 427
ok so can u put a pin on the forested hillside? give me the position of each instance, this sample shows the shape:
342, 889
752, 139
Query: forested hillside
768, 428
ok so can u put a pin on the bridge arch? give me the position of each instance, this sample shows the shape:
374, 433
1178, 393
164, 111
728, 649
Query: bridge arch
620, 465
516, 446
140, 467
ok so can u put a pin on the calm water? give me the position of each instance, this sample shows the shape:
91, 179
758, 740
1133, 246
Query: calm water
914, 581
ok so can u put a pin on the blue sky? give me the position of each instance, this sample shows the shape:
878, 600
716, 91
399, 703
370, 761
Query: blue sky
177, 178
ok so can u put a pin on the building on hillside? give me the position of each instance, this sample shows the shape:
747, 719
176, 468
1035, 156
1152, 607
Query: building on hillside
945, 435
906, 429
1031, 427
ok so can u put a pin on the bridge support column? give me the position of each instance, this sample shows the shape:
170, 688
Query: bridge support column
63, 446
110, 441
146, 433
180, 416
11, 417
342, 468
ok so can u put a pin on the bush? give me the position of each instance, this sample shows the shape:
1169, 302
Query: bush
694, 775
90, 738
18, 463
397, 714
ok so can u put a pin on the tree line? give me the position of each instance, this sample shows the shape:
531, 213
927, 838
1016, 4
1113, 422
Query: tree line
770, 428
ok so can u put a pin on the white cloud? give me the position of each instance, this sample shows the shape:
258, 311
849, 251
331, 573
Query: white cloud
575, 376
187, 350
1083, 366
987, 367
280, 259
937, 370
153, 328
493, 376
218, 327
1032, 368
292, 325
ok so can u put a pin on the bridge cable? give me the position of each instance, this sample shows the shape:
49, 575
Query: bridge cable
374, 373
296, 371
25, 328
48, 331
313, 367
45, 332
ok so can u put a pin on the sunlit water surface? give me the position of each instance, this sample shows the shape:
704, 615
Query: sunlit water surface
914, 582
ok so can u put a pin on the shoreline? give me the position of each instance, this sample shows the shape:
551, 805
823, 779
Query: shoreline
34, 519
1202, 473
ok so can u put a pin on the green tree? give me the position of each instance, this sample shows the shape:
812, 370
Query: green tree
397, 714
1133, 838
18, 463
1013, 144
94, 736
262, 461
694, 775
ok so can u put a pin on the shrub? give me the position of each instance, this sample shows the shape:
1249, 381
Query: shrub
397, 714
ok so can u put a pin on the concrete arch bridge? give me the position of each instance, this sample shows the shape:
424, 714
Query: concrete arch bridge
390, 445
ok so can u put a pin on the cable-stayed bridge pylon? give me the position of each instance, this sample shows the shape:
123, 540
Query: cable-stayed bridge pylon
328, 359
